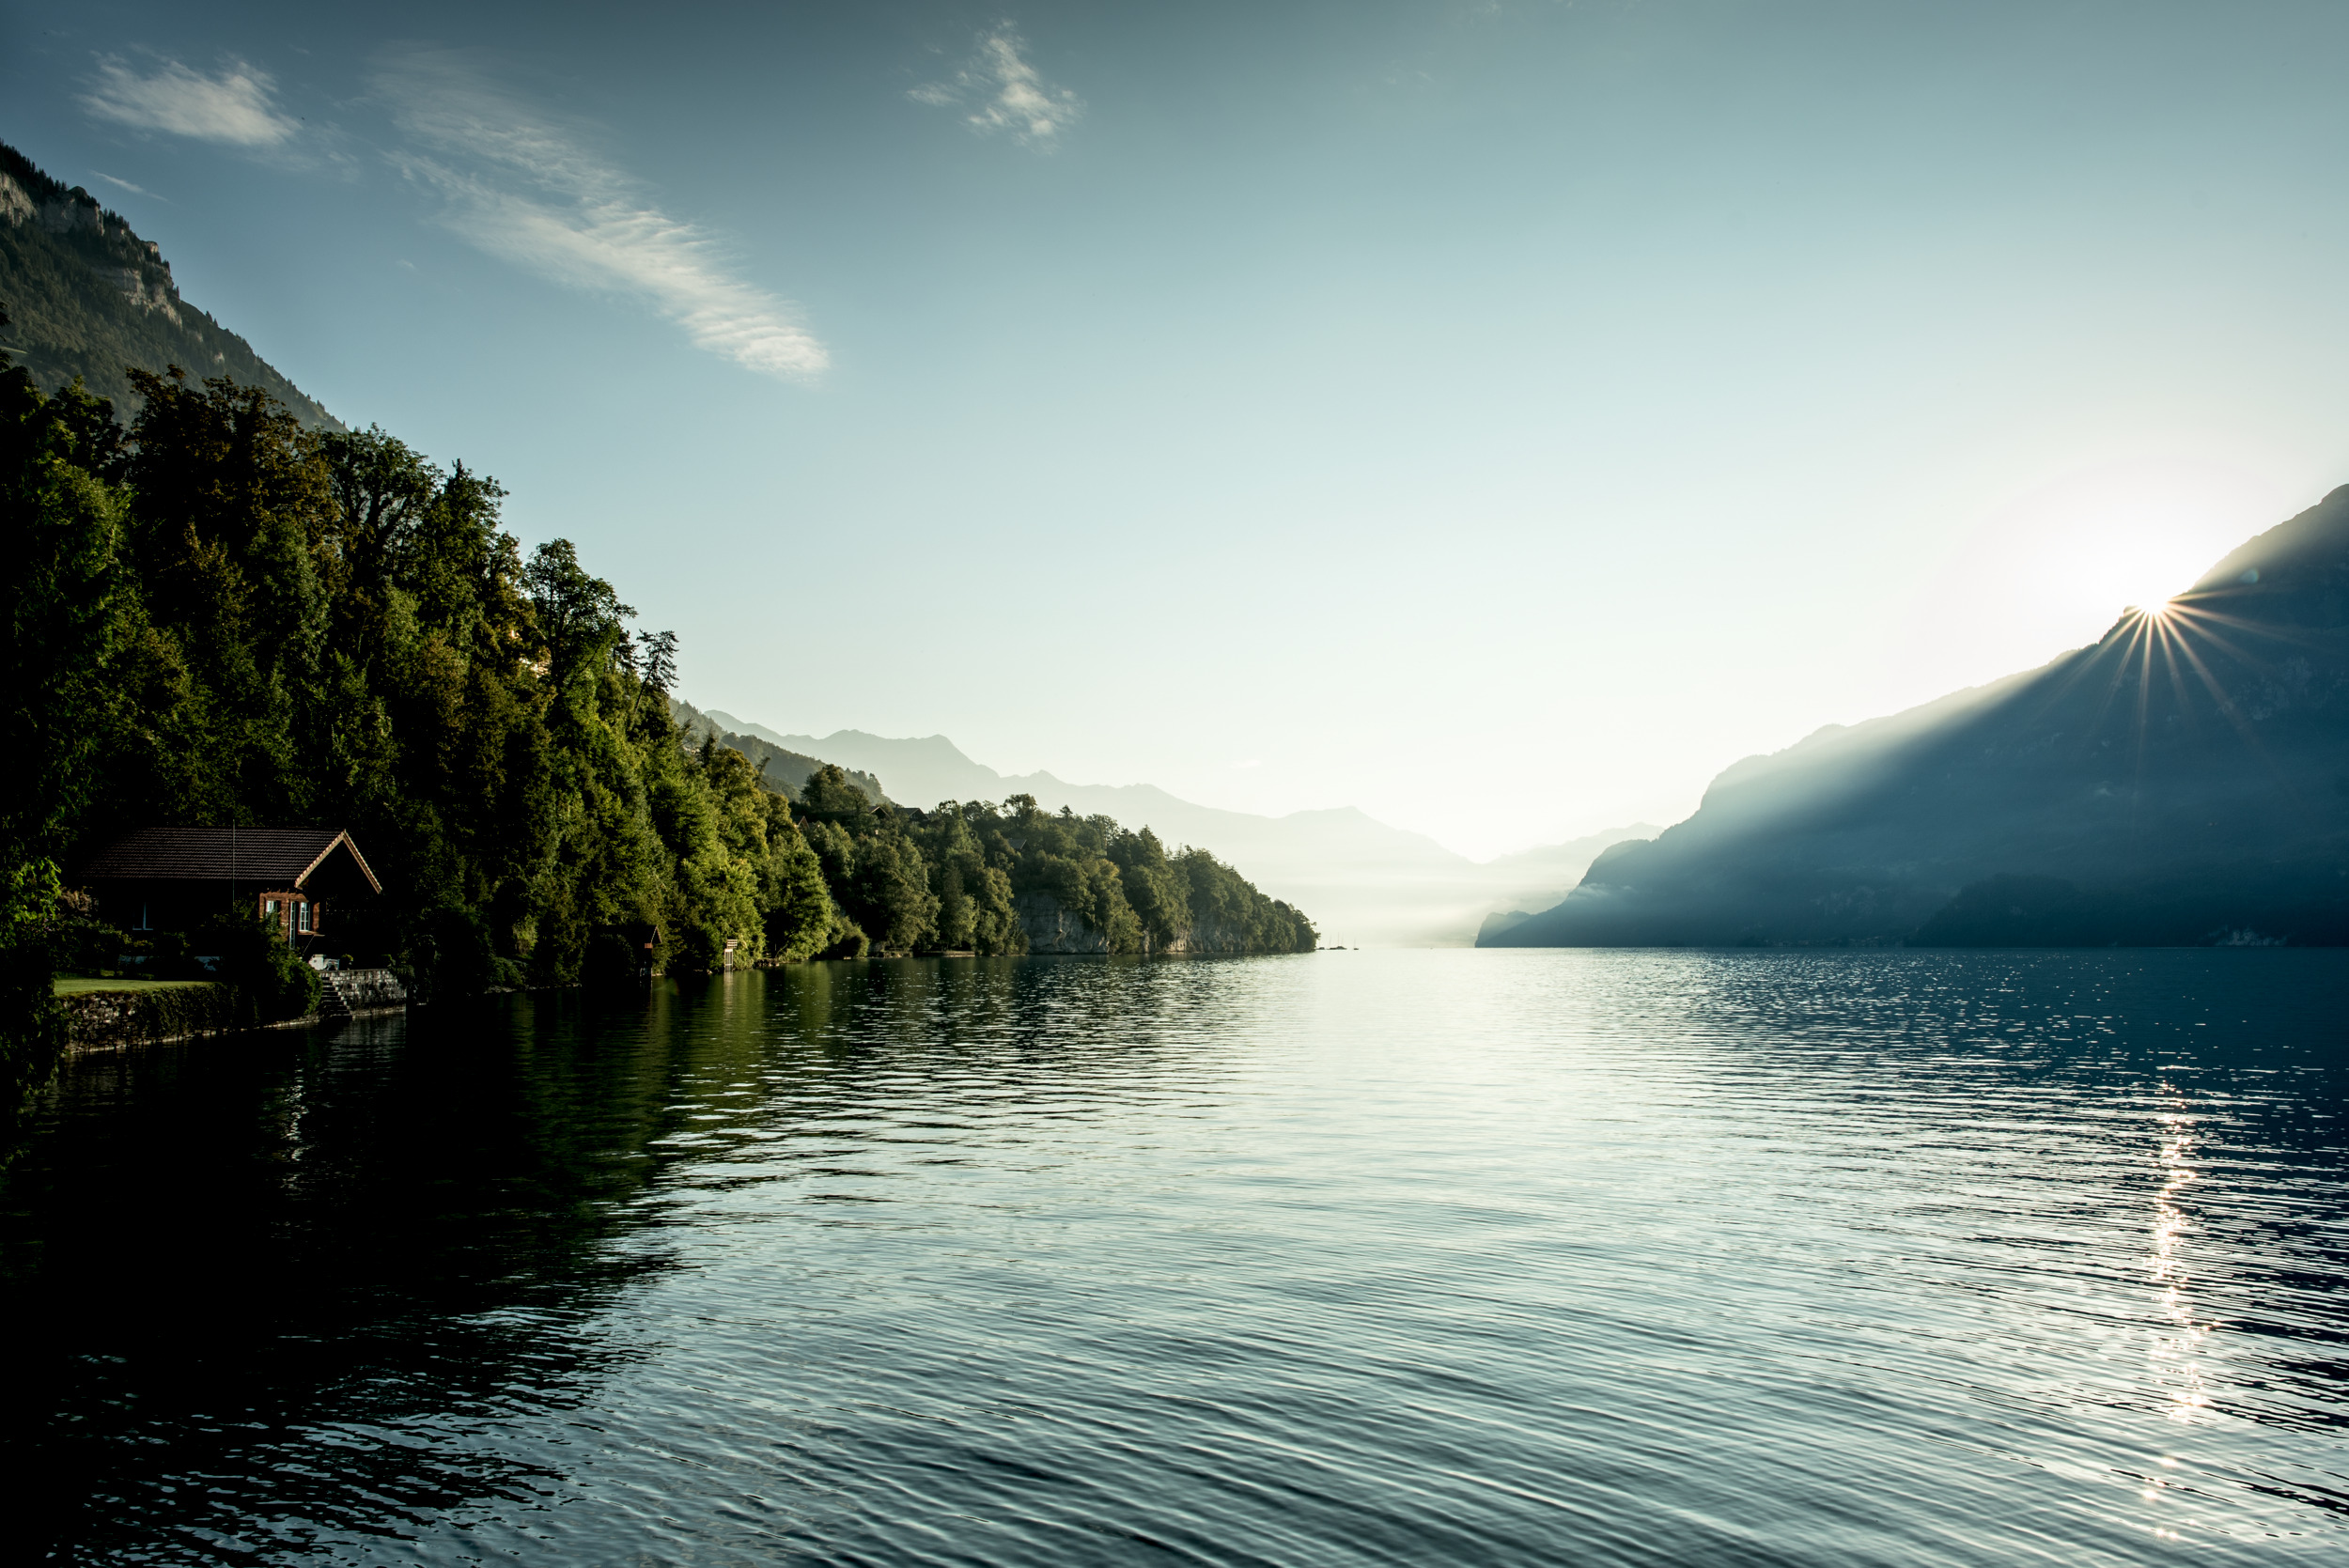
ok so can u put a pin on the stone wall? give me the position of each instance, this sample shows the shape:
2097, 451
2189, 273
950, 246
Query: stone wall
97, 1019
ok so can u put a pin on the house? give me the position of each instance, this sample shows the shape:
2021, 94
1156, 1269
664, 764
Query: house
312, 881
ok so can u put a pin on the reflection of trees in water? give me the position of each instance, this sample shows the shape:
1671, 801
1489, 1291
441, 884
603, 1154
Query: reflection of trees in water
272, 1289
840, 1080
261, 1288
1006, 1015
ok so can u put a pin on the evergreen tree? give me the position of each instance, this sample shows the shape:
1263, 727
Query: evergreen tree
219, 617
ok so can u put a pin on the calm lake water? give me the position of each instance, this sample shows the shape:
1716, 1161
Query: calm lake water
1492, 1257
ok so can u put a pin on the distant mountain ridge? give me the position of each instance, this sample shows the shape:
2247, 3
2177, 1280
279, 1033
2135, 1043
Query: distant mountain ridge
1365, 881
85, 297
932, 769
2183, 780
779, 766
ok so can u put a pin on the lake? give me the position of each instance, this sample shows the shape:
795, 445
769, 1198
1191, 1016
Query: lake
1493, 1257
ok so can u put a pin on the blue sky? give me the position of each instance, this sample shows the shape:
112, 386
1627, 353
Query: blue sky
1499, 416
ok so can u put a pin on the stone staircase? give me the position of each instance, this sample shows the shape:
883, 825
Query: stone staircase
347, 993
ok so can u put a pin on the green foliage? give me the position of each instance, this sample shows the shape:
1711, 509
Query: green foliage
975, 907
154, 1014
66, 601
981, 861
32, 1027
225, 617
801, 917
829, 794
270, 981
221, 616
82, 944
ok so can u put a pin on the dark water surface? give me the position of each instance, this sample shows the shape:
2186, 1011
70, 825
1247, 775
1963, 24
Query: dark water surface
1492, 1257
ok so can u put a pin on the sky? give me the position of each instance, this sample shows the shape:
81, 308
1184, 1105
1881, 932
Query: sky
1498, 416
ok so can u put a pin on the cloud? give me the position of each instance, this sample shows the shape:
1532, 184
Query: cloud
234, 107
1002, 91
134, 190
522, 188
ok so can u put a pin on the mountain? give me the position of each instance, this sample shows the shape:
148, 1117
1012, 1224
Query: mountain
85, 296
1363, 881
2185, 781
778, 765
933, 769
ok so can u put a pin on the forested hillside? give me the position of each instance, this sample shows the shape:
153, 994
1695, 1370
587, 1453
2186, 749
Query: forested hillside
1365, 880
89, 298
1013, 878
217, 616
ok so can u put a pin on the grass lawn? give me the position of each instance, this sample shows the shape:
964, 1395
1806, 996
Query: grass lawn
74, 988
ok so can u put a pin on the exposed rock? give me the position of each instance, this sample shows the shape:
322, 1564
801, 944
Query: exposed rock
1208, 936
1052, 928
87, 297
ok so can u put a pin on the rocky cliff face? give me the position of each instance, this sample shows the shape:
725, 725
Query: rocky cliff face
1210, 936
87, 297
1052, 928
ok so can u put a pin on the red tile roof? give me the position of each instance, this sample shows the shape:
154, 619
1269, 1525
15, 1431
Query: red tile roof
283, 856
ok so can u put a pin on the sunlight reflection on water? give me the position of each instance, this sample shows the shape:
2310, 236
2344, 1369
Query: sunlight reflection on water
1513, 1256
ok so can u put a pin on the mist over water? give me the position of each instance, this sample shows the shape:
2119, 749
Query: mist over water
1361, 1257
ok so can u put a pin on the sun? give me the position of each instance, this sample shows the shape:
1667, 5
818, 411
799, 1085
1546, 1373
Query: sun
2055, 564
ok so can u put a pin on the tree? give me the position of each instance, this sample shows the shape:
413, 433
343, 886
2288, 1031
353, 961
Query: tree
218, 617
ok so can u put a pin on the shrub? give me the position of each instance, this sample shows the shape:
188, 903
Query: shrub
255, 961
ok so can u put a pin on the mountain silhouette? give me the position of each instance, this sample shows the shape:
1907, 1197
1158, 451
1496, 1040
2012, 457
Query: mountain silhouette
2185, 781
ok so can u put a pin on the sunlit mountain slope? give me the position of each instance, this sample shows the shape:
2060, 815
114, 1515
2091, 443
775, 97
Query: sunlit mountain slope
2183, 780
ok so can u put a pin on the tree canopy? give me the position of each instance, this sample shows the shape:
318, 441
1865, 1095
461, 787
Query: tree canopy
219, 616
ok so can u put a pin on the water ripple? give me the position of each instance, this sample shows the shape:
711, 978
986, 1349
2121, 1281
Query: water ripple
1356, 1258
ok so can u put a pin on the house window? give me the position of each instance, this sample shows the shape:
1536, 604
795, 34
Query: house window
301, 916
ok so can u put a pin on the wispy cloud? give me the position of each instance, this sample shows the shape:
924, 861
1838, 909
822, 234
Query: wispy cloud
521, 187
134, 190
999, 90
235, 106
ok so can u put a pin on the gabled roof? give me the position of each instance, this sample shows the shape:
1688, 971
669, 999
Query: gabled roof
283, 856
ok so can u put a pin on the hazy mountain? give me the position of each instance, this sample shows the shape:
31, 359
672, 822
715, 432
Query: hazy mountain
1360, 879
780, 765
85, 297
1539, 878
2183, 780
